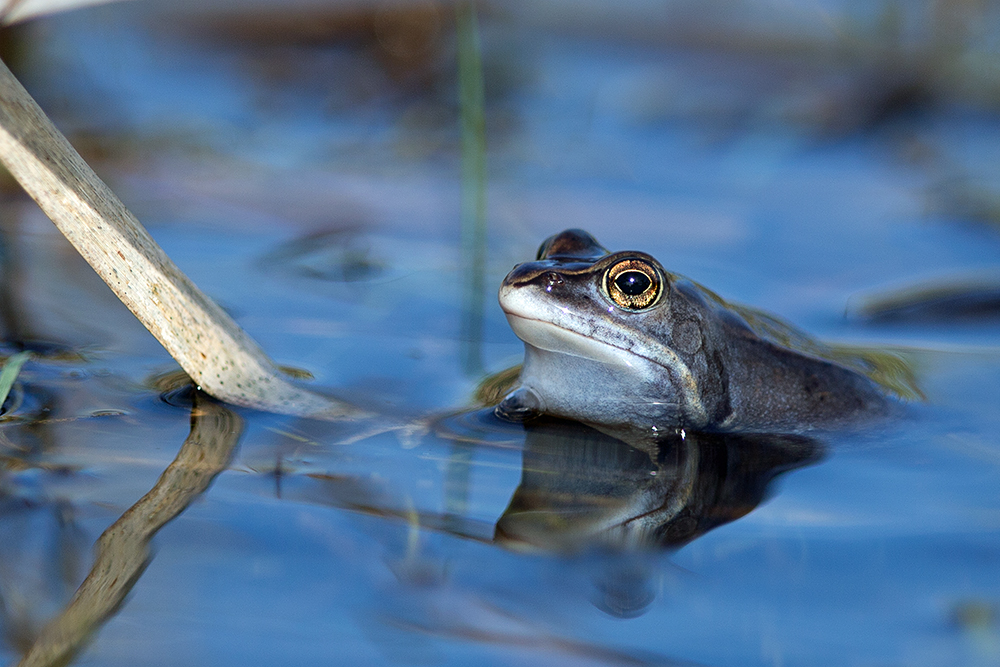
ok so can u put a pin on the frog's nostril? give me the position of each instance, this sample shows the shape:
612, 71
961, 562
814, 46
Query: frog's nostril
551, 279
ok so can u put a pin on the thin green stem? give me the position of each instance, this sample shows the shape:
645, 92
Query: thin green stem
473, 131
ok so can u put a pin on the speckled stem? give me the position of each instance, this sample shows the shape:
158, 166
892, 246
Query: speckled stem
218, 355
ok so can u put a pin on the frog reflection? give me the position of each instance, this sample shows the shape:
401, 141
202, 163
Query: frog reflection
584, 491
614, 340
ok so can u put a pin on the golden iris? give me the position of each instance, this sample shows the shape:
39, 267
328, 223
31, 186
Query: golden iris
633, 284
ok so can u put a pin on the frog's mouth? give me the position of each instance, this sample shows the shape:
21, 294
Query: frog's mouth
557, 330
551, 337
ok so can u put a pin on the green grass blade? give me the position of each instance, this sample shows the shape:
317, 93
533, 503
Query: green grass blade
472, 111
11, 369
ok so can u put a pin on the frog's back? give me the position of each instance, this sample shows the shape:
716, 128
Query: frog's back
779, 377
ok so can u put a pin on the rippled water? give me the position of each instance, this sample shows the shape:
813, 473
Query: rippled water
311, 185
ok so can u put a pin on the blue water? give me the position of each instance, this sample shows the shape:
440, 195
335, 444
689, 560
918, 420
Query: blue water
339, 544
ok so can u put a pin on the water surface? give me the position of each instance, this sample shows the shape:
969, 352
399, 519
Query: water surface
312, 186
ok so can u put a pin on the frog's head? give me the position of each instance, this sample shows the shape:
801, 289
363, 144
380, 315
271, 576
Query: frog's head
601, 338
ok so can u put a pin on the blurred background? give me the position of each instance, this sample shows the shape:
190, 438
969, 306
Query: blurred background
352, 180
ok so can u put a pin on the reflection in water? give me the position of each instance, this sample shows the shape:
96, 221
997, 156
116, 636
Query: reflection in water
43, 556
585, 491
582, 490
123, 549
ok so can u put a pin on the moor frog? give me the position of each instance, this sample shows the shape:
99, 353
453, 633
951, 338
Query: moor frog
613, 339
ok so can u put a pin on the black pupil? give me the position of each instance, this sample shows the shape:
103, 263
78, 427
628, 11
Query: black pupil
633, 283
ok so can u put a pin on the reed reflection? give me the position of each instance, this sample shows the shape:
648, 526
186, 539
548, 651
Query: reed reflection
122, 551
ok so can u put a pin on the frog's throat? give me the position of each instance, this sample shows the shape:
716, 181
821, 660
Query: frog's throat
551, 337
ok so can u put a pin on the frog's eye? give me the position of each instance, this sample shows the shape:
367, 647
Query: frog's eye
633, 284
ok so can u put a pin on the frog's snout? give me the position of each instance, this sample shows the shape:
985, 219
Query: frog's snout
521, 274
544, 274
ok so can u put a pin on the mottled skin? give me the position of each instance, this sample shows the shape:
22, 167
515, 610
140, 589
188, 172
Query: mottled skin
688, 360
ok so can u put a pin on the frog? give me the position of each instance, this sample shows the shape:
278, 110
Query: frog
615, 340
